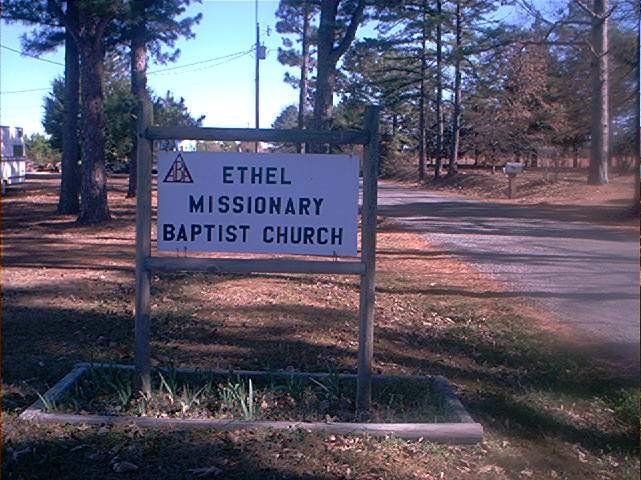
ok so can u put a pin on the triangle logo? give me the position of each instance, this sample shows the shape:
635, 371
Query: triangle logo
178, 173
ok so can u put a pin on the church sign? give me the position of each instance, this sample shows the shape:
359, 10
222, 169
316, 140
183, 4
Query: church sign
248, 202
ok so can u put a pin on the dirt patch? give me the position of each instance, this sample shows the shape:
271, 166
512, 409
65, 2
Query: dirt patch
68, 297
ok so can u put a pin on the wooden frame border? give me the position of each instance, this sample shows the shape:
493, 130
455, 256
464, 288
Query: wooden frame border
366, 268
354, 137
462, 431
258, 265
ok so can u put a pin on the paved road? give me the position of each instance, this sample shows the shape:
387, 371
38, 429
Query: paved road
587, 275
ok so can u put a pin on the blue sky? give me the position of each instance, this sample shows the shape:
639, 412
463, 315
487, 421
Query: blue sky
224, 93
222, 90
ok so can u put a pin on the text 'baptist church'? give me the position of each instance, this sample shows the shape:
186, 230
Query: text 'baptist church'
286, 208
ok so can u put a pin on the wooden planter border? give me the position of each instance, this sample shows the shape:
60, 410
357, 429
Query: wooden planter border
462, 431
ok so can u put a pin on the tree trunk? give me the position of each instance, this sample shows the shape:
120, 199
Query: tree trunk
636, 201
599, 128
612, 161
439, 91
575, 155
323, 105
302, 94
139, 91
326, 68
68, 201
456, 120
421, 103
93, 194
328, 55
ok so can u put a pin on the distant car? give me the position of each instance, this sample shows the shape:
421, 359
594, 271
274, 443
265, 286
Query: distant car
122, 167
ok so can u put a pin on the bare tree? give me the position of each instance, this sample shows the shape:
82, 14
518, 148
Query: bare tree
421, 102
636, 206
598, 15
456, 120
600, 123
439, 89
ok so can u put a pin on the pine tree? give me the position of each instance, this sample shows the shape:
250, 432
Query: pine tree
295, 17
59, 25
338, 23
95, 16
397, 69
474, 32
55, 26
149, 27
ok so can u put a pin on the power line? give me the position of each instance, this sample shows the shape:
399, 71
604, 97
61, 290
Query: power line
24, 91
238, 55
31, 56
213, 59
199, 62
229, 58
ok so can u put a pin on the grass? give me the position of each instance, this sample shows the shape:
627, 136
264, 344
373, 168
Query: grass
237, 395
49, 406
625, 404
547, 409
107, 391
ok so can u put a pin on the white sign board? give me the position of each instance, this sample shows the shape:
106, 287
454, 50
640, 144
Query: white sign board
261, 203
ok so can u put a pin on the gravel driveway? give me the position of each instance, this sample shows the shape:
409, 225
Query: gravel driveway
587, 275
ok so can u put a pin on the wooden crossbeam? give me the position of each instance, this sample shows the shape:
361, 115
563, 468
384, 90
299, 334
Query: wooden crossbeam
248, 265
356, 137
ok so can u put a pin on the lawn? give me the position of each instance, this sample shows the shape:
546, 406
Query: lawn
548, 411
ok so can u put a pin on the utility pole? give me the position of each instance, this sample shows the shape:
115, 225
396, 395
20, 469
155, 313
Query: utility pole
257, 71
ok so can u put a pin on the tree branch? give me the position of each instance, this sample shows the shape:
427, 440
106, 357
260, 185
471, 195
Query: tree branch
357, 17
62, 15
12, 18
102, 25
586, 9
57, 8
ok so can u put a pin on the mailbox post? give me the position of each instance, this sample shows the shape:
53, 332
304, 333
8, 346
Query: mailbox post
512, 169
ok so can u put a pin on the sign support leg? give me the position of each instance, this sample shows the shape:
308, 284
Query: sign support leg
143, 248
368, 255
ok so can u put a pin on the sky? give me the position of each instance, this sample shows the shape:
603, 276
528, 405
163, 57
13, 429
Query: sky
221, 90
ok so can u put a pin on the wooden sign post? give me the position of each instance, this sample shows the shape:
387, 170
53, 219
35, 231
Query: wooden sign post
368, 257
146, 263
144, 156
